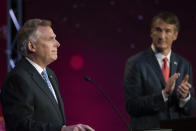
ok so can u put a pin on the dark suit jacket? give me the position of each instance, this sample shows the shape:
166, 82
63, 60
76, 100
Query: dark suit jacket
27, 102
143, 84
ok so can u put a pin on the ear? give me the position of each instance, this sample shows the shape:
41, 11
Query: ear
31, 47
175, 36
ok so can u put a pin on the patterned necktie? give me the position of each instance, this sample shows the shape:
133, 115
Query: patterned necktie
45, 76
165, 69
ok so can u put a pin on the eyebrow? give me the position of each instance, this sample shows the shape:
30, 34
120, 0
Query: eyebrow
157, 27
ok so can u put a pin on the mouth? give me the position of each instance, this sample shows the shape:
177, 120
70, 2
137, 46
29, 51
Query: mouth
161, 42
55, 51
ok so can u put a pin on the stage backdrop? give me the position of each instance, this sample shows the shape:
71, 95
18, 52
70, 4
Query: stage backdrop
97, 36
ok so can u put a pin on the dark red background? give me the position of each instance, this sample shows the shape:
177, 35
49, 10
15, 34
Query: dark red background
96, 39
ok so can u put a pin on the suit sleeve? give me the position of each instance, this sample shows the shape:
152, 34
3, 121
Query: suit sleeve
18, 107
137, 102
190, 106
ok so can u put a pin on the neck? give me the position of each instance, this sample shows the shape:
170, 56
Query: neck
165, 52
37, 61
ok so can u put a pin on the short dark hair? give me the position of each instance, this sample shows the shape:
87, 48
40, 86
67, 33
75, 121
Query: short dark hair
169, 18
28, 33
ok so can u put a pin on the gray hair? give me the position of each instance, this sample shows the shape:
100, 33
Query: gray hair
28, 33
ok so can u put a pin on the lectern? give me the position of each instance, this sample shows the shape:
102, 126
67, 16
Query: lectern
185, 124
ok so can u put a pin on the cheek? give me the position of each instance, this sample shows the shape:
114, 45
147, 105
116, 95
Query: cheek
155, 38
171, 39
155, 35
45, 51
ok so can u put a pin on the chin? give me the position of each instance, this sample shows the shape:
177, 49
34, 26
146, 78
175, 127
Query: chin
160, 46
160, 49
55, 58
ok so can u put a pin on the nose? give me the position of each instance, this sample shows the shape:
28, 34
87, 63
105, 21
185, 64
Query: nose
57, 43
162, 35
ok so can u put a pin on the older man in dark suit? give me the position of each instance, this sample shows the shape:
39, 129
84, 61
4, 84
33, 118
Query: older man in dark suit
30, 96
158, 82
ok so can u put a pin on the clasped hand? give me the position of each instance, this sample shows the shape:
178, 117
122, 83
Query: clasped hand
183, 88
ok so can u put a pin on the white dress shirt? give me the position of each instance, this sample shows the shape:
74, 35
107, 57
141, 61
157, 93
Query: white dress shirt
39, 69
160, 58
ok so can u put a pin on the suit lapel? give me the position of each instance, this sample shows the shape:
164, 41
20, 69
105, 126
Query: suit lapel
173, 69
55, 86
152, 60
173, 64
155, 65
43, 86
36, 77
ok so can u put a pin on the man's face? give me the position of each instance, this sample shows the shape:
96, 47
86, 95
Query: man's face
46, 45
163, 35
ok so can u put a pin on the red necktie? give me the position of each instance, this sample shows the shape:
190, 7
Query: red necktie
165, 69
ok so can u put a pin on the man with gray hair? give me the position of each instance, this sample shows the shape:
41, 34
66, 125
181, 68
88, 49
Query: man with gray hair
31, 100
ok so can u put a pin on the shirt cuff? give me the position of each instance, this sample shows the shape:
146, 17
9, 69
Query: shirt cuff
164, 98
183, 101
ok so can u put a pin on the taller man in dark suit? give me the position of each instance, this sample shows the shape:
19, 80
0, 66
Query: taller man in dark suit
158, 82
30, 96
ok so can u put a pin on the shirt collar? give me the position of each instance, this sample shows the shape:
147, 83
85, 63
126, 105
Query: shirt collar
37, 67
159, 55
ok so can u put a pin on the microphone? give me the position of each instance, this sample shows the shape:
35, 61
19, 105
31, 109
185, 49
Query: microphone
88, 79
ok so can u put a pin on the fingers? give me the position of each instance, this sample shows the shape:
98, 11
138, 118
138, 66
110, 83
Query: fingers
171, 83
88, 128
186, 78
173, 79
63, 128
183, 93
175, 76
81, 127
76, 129
188, 85
183, 89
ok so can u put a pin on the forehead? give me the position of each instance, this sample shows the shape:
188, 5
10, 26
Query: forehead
162, 24
45, 30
